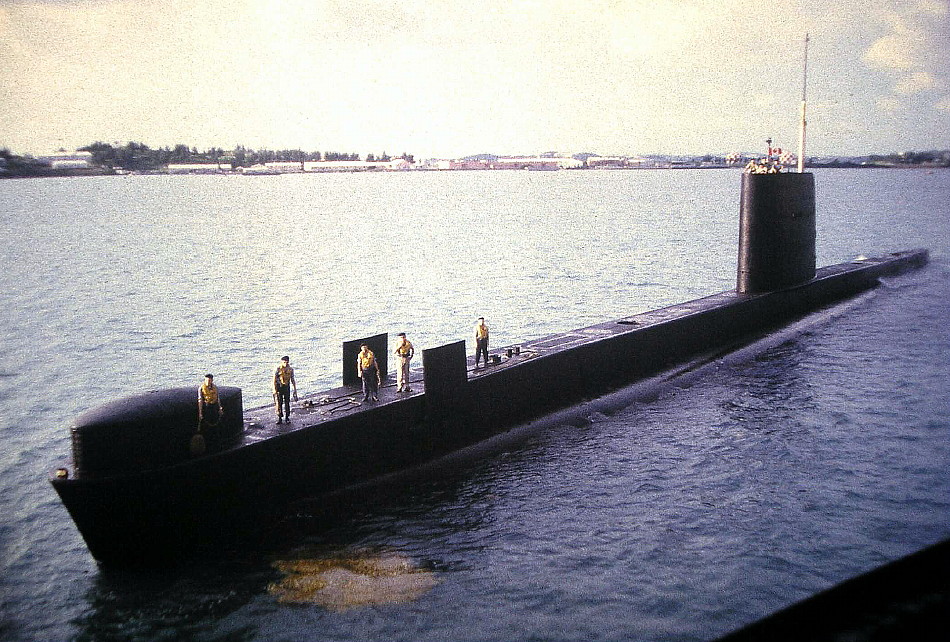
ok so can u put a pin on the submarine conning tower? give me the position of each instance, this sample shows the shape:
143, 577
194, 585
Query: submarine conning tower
776, 231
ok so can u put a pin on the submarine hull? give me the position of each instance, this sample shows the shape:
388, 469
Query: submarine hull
165, 512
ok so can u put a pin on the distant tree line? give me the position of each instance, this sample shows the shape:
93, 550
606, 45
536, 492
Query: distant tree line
140, 157
938, 158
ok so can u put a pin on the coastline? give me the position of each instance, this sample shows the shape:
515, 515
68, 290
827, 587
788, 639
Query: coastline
106, 171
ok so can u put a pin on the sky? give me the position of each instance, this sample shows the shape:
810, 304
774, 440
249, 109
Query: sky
451, 78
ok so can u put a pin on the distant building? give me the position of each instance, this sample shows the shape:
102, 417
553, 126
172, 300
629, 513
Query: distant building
67, 160
255, 170
737, 158
613, 162
683, 163
198, 168
285, 167
400, 164
536, 162
461, 164
344, 166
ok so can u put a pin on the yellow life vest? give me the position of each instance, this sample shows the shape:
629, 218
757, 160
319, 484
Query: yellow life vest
366, 361
284, 374
481, 331
404, 350
209, 394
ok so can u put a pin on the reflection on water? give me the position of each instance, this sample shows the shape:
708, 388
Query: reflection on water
164, 603
350, 580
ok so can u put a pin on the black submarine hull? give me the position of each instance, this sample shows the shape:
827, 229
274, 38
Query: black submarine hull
134, 511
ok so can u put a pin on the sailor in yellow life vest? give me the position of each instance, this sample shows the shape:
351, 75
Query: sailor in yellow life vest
369, 372
283, 380
404, 352
209, 404
481, 340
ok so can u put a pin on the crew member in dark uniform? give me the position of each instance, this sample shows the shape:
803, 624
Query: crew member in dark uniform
283, 380
369, 372
481, 341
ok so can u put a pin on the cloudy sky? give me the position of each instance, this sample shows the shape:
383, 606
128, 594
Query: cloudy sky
451, 78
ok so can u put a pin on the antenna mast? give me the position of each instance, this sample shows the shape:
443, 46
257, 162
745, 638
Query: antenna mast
801, 136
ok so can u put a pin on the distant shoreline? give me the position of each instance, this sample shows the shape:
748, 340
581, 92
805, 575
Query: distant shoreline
102, 171
102, 159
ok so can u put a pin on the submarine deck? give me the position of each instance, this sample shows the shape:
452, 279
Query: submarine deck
322, 407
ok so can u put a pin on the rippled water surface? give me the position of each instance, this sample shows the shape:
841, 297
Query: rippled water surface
772, 475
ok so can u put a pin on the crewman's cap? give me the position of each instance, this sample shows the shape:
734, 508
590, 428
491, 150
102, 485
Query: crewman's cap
209, 376
285, 358
401, 334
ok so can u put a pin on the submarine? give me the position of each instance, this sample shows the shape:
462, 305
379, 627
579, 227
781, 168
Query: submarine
138, 494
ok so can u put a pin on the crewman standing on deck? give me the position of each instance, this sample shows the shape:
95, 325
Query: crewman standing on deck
369, 372
283, 380
481, 340
209, 403
404, 352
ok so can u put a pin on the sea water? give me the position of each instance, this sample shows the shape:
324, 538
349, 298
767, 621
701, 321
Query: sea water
774, 475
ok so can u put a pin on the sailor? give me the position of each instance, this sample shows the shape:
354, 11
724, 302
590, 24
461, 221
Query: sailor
283, 380
209, 403
481, 340
404, 352
369, 372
